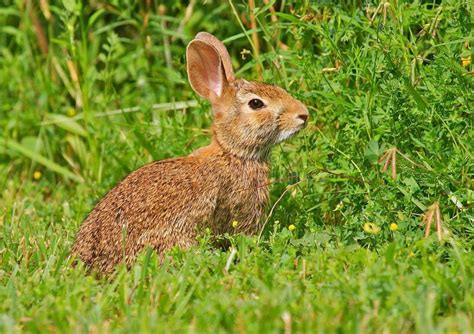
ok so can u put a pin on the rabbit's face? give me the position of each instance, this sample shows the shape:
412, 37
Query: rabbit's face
249, 117
255, 116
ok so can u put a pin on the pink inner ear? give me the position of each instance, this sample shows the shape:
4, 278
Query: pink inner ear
212, 69
222, 51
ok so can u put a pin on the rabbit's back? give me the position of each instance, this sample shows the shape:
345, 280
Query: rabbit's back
167, 203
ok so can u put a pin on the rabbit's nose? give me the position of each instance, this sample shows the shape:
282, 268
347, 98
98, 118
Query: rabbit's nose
303, 117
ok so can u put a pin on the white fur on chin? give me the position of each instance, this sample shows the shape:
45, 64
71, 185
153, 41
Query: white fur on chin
285, 134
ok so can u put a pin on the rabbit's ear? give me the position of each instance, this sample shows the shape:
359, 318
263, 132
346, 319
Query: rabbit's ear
222, 50
205, 70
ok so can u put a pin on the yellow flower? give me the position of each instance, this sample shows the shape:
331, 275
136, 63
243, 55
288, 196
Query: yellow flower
71, 112
339, 206
466, 61
393, 227
235, 223
371, 228
244, 53
37, 175
292, 227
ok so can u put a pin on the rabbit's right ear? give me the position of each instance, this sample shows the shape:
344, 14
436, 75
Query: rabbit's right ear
205, 70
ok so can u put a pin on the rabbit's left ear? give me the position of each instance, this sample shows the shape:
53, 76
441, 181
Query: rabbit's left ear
222, 50
205, 71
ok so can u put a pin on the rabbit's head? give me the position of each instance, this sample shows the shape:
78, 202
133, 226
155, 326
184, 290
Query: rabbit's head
249, 117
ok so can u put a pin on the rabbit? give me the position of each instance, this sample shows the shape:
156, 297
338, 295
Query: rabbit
168, 203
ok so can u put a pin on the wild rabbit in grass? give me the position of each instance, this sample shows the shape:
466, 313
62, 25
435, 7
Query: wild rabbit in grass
168, 203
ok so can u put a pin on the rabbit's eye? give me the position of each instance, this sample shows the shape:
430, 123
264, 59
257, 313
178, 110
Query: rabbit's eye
256, 104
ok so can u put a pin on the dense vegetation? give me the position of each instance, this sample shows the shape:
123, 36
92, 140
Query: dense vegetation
90, 93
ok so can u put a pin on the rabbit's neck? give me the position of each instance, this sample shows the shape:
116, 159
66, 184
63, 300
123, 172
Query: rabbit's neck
219, 147
215, 151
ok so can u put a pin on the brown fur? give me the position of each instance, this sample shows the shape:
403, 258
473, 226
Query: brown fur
168, 203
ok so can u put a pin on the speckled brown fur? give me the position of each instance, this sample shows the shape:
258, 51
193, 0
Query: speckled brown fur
168, 203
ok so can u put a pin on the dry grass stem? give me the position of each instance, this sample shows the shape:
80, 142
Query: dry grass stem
39, 32
433, 210
75, 79
166, 41
427, 220
255, 40
390, 158
45, 9
273, 17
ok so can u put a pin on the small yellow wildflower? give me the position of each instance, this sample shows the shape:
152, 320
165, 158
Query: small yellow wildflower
244, 53
37, 175
466, 61
235, 223
339, 206
393, 227
292, 227
371, 228
411, 254
71, 112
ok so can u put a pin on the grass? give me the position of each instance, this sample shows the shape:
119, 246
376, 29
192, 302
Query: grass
390, 80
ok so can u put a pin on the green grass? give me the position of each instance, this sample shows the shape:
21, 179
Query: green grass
373, 79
